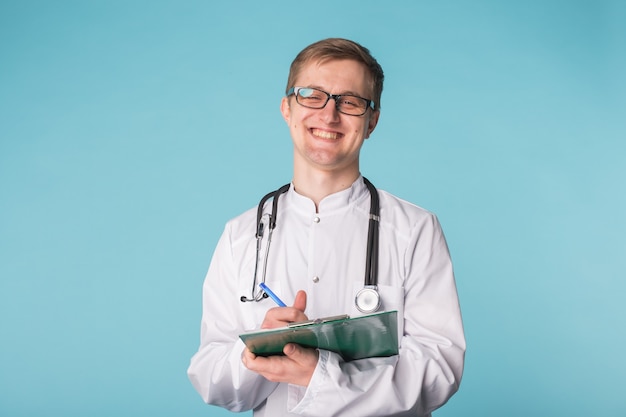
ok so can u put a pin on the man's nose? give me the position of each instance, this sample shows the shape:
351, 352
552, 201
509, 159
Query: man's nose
330, 110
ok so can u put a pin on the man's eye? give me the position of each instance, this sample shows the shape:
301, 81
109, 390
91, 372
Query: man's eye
310, 95
354, 102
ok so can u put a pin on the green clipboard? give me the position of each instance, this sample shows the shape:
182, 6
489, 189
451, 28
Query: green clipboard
373, 335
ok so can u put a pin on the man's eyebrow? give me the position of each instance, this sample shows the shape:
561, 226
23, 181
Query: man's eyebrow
343, 93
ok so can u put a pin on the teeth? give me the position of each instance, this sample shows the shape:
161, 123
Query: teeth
325, 135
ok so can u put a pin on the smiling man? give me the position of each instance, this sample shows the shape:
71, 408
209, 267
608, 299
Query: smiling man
320, 252
327, 140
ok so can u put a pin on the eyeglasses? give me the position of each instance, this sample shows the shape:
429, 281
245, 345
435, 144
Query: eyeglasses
314, 98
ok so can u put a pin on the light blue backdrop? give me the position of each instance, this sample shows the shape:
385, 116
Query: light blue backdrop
131, 131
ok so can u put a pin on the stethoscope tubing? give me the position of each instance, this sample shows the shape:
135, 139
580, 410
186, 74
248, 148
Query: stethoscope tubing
371, 257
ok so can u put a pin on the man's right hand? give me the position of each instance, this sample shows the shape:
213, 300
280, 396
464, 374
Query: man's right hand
282, 316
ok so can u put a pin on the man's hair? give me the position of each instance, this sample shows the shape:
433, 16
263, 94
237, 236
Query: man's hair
337, 49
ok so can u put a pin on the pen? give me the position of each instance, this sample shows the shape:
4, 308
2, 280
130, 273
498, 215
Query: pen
272, 295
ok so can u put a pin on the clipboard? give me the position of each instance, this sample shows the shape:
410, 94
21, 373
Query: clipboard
372, 335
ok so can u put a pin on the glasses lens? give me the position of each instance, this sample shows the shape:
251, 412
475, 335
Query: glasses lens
352, 105
310, 97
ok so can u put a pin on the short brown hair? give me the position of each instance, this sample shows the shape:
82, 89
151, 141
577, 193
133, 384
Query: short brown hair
336, 49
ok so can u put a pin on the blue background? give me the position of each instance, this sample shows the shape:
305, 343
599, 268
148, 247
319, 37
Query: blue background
131, 131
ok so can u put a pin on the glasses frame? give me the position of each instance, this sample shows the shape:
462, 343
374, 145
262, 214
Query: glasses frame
336, 97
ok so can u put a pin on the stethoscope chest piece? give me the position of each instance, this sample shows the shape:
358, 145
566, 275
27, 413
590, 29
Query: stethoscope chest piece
367, 299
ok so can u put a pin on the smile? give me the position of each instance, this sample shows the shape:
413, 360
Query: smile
324, 134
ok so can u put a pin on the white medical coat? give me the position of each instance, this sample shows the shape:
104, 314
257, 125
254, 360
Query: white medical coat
324, 253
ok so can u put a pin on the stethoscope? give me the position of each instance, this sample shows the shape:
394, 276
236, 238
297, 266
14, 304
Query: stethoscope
367, 300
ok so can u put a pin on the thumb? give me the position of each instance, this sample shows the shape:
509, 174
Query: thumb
300, 301
291, 349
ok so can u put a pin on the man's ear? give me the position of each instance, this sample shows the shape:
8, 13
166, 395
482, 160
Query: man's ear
372, 122
285, 109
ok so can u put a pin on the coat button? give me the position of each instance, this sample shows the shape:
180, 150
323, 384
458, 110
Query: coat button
316, 279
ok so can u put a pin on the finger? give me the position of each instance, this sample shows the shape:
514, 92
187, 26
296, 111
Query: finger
300, 301
274, 317
290, 350
300, 354
247, 356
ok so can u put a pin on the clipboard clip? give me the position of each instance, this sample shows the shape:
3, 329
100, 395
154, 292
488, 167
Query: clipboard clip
318, 321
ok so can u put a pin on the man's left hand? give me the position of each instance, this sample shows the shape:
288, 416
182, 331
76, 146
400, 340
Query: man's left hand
296, 367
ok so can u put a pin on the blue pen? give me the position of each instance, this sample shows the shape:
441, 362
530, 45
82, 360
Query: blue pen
272, 295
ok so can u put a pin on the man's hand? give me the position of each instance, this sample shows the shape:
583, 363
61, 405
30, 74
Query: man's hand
295, 368
282, 316
298, 364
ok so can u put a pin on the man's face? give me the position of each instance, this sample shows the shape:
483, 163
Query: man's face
324, 138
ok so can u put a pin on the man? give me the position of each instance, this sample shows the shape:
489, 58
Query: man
317, 264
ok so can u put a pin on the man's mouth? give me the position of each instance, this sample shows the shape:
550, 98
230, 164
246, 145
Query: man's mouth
323, 134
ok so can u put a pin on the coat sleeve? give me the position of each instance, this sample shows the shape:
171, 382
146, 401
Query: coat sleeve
216, 370
428, 369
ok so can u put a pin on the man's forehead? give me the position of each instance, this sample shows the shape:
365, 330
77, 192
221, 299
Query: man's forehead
315, 66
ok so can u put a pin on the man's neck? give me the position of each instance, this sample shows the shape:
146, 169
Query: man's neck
317, 185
